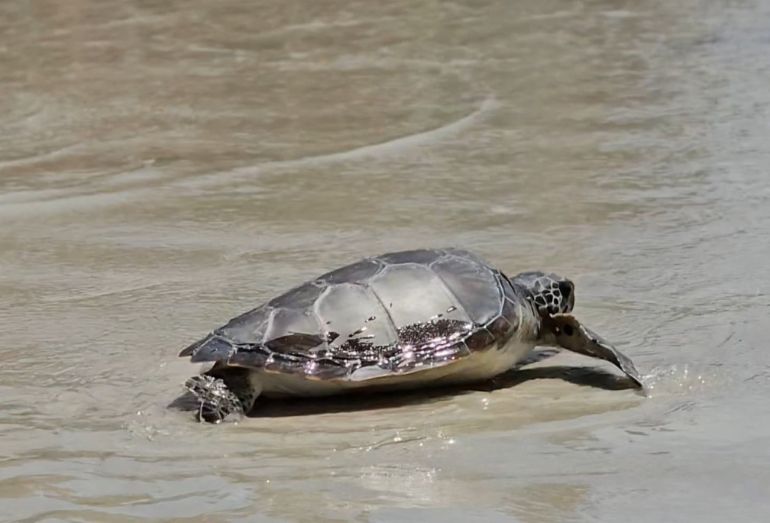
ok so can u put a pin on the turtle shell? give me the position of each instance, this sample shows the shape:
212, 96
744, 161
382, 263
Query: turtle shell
396, 313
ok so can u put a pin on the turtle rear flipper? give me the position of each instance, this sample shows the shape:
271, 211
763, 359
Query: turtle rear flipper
216, 401
222, 392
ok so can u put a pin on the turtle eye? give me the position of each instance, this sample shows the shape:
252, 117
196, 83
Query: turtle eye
568, 330
567, 289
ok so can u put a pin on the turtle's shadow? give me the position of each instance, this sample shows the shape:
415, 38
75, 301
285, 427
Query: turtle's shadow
276, 408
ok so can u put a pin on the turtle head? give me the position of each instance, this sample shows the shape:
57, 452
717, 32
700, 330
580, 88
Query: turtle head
553, 298
549, 293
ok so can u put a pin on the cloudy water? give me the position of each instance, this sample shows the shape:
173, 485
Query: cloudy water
165, 166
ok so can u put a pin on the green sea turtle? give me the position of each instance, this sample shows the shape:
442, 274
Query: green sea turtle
401, 320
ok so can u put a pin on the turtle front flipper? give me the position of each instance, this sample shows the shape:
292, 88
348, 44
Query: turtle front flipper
572, 335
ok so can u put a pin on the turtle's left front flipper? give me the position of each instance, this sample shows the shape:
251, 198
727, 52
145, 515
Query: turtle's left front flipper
573, 335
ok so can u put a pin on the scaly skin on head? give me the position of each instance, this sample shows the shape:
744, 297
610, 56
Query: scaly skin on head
549, 293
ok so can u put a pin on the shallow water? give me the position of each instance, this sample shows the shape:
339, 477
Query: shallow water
167, 165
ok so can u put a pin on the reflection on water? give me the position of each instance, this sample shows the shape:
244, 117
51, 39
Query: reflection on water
165, 166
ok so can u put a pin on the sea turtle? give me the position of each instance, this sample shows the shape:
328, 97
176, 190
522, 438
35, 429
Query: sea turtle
400, 320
